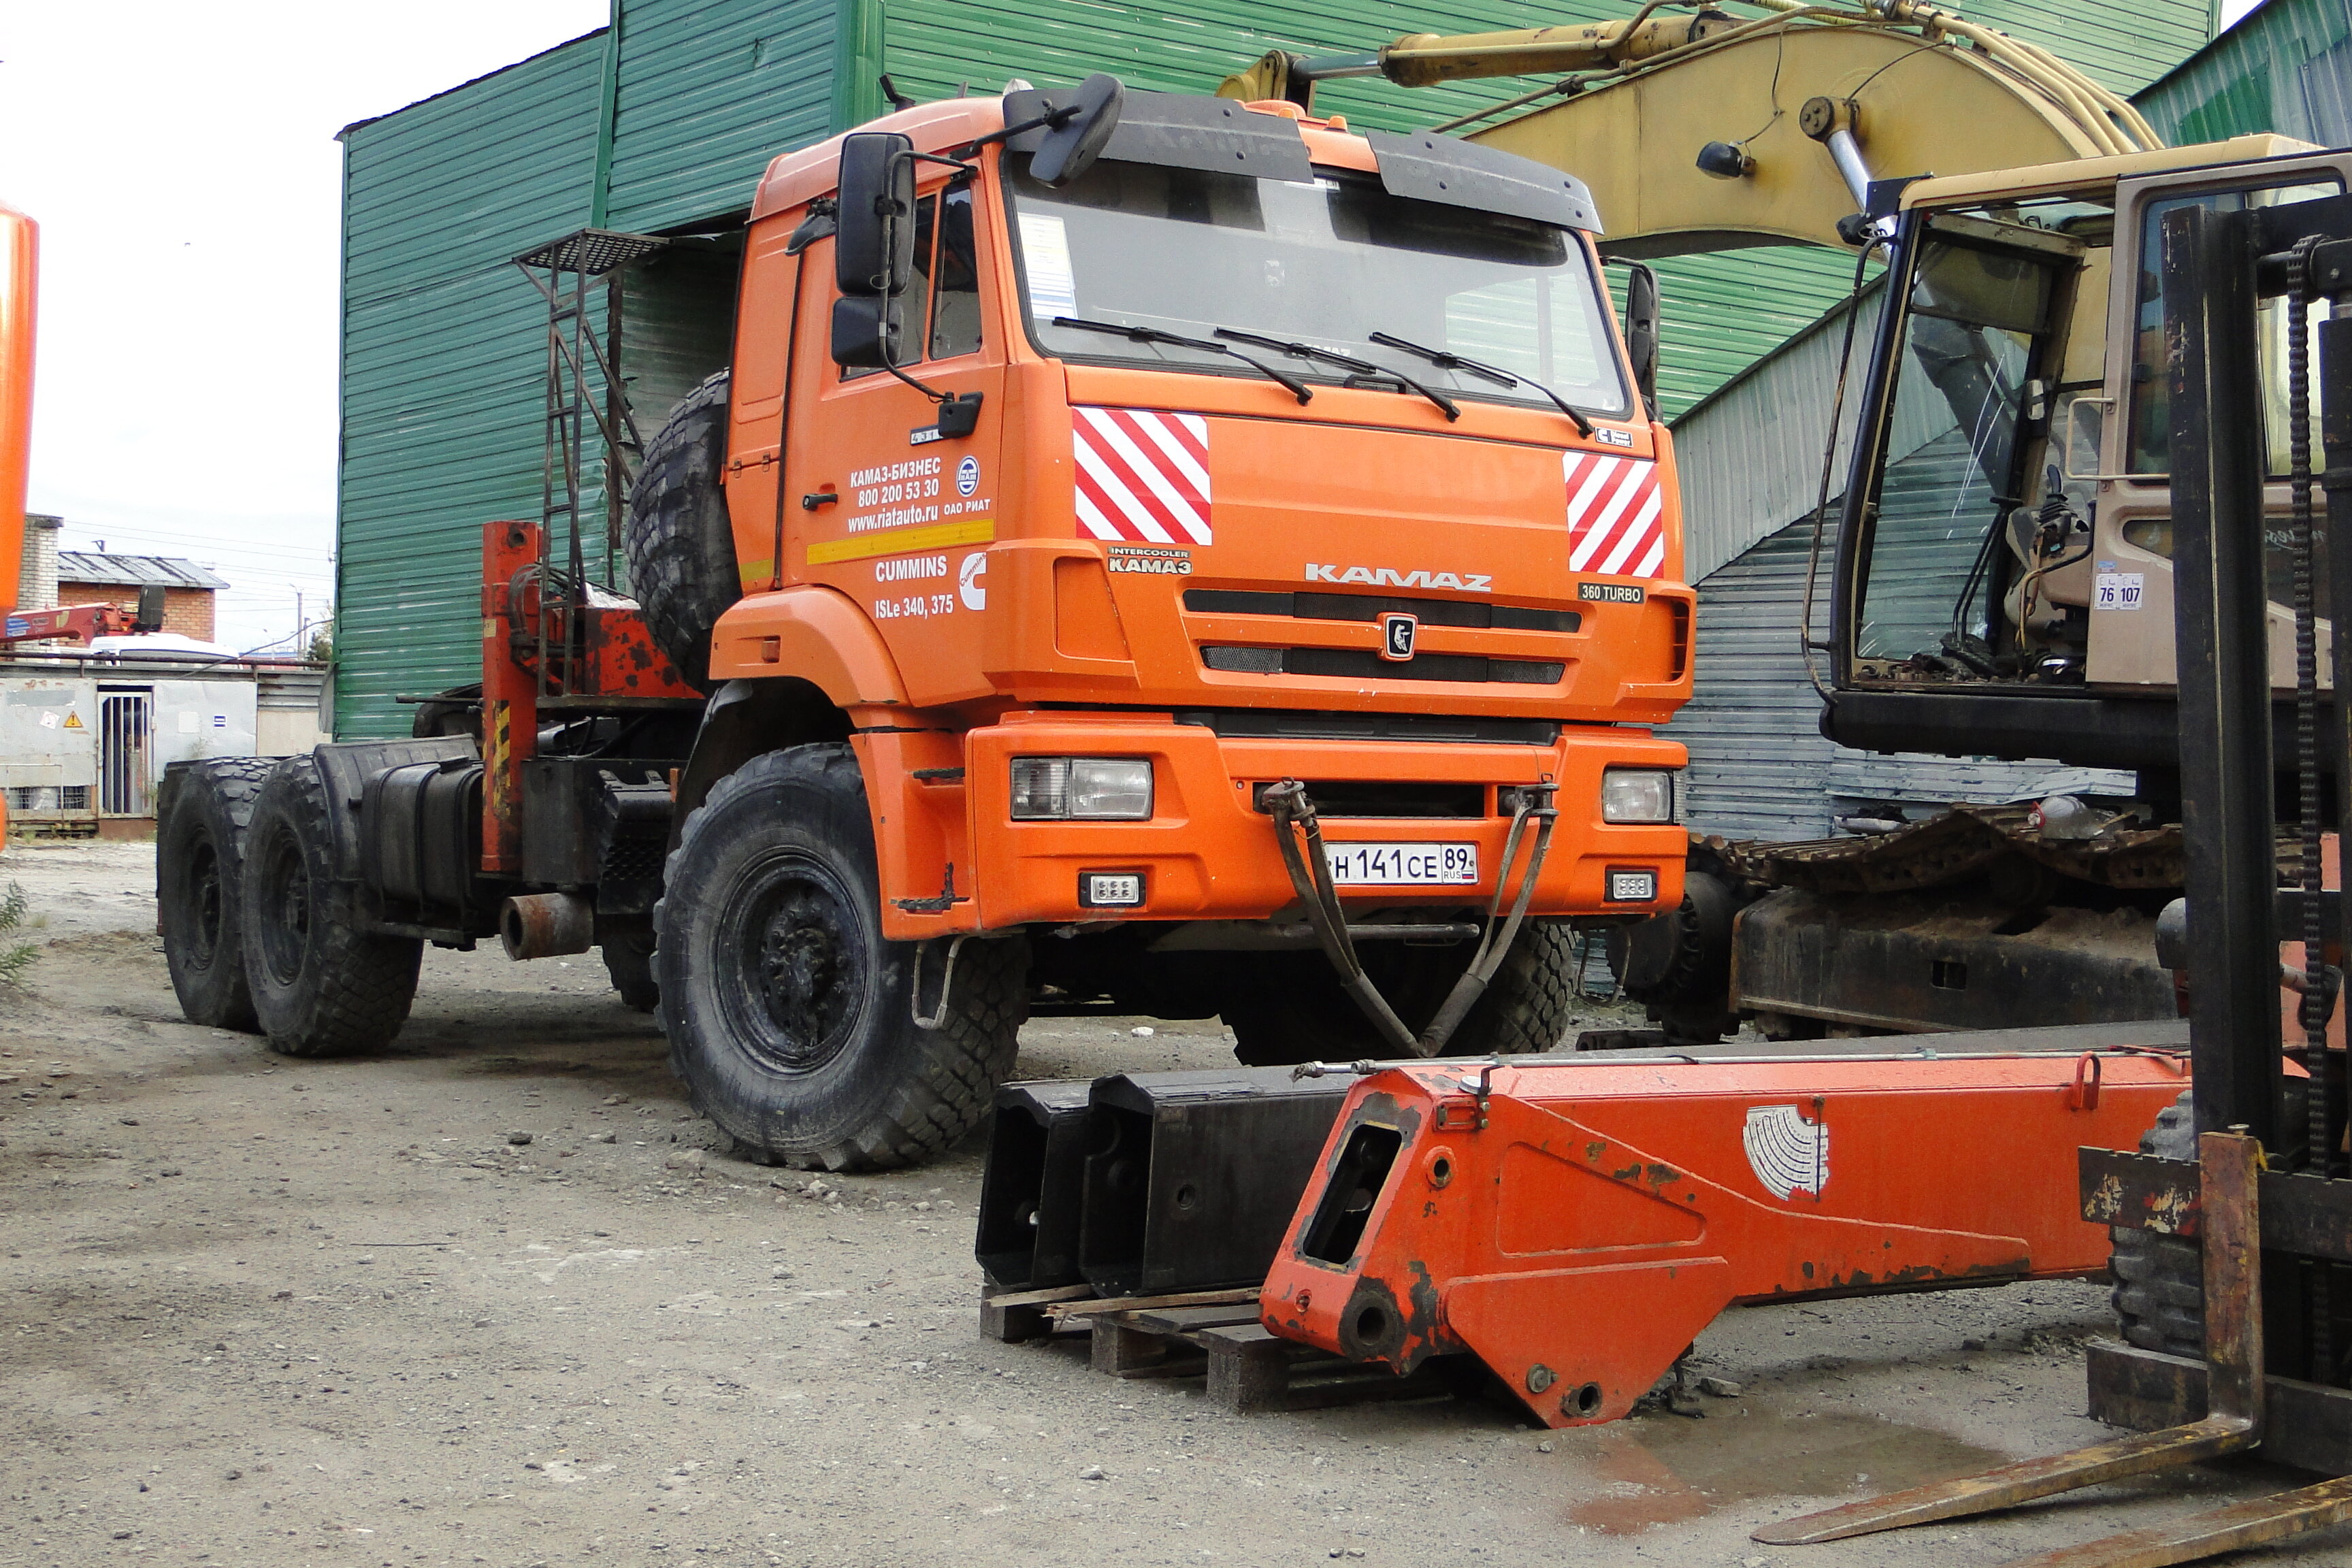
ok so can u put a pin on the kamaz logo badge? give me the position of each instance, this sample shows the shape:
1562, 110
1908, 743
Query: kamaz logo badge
1396, 638
1390, 577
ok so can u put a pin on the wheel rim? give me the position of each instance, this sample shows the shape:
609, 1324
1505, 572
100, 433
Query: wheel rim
283, 885
794, 956
204, 901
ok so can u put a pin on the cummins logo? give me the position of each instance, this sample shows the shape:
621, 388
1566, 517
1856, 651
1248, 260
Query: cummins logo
1390, 577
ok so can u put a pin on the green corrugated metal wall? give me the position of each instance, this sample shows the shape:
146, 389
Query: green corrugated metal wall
708, 92
442, 358
443, 341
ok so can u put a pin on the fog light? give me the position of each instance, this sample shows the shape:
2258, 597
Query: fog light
1636, 795
1085, 789
1630, 886
1110, 889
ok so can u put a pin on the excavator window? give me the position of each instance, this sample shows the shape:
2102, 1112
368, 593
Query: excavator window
1973, 393
1322, 265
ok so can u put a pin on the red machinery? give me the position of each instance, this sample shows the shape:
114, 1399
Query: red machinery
1575, 1224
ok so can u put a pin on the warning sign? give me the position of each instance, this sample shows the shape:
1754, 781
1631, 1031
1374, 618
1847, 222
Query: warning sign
73, 722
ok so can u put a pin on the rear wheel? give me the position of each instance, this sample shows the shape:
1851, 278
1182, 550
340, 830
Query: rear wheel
322, 985
629, 960
788, 1017
199, 855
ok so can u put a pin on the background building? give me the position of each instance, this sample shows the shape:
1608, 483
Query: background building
86, 577
661, 122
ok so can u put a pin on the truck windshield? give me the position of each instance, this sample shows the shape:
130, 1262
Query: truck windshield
1327, 263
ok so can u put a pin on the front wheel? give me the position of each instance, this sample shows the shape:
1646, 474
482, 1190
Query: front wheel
790, 1018
323, 983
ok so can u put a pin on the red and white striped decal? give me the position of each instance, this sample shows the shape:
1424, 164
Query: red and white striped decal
1143, 476
1616, 523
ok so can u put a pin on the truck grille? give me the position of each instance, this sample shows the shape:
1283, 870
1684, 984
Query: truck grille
1367, 607
1353, 664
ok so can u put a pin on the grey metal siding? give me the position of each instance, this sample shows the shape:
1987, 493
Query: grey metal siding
1759, 765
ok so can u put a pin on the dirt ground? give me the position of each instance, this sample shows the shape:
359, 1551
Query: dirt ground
491, 1297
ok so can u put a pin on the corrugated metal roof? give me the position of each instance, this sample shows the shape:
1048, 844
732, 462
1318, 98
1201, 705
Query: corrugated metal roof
2283, 67
142, 571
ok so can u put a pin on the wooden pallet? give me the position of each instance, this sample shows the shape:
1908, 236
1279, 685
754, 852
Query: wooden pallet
1213, 1335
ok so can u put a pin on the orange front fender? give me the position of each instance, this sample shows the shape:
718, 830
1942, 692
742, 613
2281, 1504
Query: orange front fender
817, 634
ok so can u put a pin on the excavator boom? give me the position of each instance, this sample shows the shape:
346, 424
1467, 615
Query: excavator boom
1710, 132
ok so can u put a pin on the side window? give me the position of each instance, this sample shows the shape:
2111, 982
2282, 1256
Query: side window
955, 280
915, 307
2149, 415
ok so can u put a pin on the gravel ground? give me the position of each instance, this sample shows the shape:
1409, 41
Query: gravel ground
491, 1296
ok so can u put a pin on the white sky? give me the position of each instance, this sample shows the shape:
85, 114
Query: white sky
181, 160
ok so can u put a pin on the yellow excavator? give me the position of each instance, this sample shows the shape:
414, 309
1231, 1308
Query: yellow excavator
1992, 569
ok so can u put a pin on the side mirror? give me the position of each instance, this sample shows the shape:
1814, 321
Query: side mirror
874, 247
1082, 124
865, 331
151, 599
1642, 332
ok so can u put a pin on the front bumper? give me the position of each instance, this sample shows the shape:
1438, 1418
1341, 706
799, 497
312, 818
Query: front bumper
1209, 852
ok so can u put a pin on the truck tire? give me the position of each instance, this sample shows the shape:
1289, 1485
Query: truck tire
681, 544
2159, 1280
789, 1018
1286, 1008
322, 986
629, 960
199, 854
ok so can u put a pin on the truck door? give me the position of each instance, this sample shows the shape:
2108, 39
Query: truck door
879, 504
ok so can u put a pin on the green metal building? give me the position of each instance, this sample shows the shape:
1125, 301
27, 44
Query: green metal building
661, 122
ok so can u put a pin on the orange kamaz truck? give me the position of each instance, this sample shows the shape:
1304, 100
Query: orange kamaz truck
1148, 554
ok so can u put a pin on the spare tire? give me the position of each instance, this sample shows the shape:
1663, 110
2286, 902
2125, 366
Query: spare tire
681, 544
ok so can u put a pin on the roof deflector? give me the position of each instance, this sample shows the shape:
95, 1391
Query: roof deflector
1181, 131
1429, 167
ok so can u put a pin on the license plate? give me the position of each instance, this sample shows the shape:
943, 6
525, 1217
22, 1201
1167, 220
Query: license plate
1408, 865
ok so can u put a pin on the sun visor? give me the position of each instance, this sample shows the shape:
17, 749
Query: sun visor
1180, 131
1429, 167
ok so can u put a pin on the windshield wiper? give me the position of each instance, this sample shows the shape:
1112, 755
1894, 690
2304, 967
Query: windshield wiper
1297, 388
1350, 361
1444, 360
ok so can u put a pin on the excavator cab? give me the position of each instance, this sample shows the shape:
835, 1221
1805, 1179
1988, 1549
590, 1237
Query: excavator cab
2003, 580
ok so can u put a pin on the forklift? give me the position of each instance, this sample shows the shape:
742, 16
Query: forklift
2247, 1235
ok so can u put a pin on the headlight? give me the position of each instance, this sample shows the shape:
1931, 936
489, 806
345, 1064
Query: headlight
1089, 789
1636, 795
